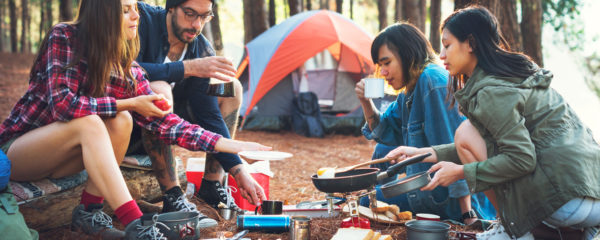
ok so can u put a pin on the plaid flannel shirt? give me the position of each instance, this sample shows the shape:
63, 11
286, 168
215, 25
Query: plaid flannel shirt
55, 94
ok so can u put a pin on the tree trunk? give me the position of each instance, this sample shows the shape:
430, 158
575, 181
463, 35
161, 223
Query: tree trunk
295, 7
2, 7
398, 10
215, 27
351, 9
255, 19
12, 6
49, 17
324, 4
382, 8
308, 5
66, 10
532, 25
338, 5
510, 25
435, 14
25, 34
272, 19
413, 12
459, 4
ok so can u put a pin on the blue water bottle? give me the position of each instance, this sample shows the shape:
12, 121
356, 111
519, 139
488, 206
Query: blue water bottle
267, 223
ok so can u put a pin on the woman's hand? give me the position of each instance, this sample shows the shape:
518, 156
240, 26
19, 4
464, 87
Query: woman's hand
145, 105
359, 89
404, 152
446, 173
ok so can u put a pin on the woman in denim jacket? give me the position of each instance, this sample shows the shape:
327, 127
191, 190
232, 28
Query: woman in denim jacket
420, 117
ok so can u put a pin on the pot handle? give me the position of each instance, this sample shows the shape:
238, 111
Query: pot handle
396, 168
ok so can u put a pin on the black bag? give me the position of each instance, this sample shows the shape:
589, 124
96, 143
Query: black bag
306, 115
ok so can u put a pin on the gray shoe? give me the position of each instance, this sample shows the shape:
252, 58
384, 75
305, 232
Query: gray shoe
172, 203
145, 228
93, 221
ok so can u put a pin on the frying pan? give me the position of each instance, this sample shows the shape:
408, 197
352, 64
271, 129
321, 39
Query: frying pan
362, 178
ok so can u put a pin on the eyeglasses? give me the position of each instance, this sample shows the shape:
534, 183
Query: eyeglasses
191, 15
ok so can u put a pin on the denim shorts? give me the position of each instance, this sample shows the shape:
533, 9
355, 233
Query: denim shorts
577, 213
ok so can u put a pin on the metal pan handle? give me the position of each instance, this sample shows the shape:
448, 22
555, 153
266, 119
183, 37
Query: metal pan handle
396, 168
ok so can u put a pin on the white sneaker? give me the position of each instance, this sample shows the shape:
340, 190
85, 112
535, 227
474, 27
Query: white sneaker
496, 232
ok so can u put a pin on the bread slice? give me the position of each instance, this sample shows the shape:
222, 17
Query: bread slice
406, 215
353, 234
394, 209
376, 236
391, 215
386, 237
381, 207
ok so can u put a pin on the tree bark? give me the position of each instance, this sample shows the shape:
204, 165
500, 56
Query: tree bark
25, 26
435, 14
324, 4
338, 5
351, 9
12, 6
2, 8
215, 27
49, 17
398, 10
459, 4
272, 18
255, 19
413, 12
308, 5
491, 5
66, 10
532, 25
509, 24
382, 6
295, 7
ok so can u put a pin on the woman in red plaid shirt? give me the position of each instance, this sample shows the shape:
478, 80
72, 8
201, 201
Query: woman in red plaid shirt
85, 92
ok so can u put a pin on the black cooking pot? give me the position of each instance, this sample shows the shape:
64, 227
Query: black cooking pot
361, 178
427, 230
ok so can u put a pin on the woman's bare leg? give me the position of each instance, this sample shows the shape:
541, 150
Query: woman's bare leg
64, 148
471, 148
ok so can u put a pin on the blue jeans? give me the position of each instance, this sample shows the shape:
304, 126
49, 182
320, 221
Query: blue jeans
578, 213
442, 201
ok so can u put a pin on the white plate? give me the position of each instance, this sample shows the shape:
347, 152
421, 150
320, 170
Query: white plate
265, 155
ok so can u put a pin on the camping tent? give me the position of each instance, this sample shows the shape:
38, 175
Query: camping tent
336, 54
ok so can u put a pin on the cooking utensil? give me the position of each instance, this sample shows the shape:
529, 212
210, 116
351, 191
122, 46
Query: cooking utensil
427, 230
221, 89
381, 160
182, 225
405, 185
362, 178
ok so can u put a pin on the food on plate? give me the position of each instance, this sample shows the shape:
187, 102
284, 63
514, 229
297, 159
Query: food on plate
326, 172
394, 209
406, 215
353, 234
391, 215
222, 205
381, 207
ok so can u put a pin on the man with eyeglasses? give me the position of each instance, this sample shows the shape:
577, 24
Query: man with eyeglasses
174, 53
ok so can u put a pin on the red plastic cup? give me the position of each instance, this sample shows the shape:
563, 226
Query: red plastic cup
428, 216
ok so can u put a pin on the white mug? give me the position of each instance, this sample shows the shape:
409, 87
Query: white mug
374, 87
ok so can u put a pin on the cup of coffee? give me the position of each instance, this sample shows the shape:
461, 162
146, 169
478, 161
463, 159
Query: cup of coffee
427, 216
270, 207
374, 87
220, 89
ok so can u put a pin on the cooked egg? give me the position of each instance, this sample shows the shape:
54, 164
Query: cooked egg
326, 172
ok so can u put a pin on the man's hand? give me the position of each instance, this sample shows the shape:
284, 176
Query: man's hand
249, 188
210, 67
446, 173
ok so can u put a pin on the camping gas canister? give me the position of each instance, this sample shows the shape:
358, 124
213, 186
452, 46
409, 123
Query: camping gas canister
269, 223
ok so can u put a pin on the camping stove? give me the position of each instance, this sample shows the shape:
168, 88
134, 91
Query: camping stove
352, 201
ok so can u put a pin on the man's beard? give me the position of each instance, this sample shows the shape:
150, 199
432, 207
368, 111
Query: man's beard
179, 31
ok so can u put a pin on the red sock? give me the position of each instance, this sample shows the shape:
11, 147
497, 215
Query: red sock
87, 199
128, 212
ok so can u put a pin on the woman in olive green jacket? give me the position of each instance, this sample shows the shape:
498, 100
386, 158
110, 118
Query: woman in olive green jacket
522, 145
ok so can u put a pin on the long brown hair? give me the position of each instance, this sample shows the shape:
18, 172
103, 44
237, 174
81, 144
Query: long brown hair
102, 42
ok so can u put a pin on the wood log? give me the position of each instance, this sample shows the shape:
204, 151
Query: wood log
54, 210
